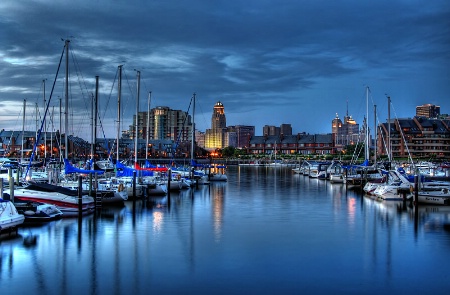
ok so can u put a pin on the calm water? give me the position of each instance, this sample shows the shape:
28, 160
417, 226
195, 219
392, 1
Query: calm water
266, 231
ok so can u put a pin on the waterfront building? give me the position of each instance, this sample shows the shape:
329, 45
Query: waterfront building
302, 143
156, 148
428, 111
163, 123
416, 137
286, 129
243, 135
200, 138
269, 130
50, 145
215, 137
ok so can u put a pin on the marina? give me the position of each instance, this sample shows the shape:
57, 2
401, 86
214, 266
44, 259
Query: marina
266, 230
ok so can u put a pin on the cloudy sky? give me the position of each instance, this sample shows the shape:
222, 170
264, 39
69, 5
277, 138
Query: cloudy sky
296, 62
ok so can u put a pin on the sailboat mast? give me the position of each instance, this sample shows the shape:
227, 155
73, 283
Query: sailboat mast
66, 104
45, 125
36, 109
23, 127
367, 125
375, 133
193, 129
51, 132
92, 126
193, 137
389, 129
94, 123
60, 127
148, 123
118, 112
136, 133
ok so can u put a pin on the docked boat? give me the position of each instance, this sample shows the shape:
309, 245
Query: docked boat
63, 198
37, 211
440, 197
10, 218
218, 177
107, 194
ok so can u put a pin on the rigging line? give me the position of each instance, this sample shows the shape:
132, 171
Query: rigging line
84, 92
132, 96
110, 94
403, 135
46, 110
379, 131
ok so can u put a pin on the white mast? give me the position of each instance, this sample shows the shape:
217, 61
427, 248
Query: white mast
389, 129
23, 127
136, 133
375, 133
51, 133
45, 125
66, 104
367, 125
118, 113
193, 129
148, 123
94, 119
60, 127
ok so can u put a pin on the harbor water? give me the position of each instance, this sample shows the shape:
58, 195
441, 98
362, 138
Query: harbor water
265, 231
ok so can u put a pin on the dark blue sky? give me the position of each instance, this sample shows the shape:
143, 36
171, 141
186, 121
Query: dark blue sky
268, 62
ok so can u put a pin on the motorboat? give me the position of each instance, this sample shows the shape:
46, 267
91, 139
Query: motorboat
439, 197
63, 198
37, 211
10, 218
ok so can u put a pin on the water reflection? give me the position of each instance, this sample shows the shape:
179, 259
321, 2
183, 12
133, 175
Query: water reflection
266, 230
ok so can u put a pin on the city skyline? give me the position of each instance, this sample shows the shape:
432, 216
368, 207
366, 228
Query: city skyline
269, 63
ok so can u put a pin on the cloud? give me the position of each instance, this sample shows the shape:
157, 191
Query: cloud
263, 59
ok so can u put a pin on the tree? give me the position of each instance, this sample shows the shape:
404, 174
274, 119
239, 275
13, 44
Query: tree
228, 152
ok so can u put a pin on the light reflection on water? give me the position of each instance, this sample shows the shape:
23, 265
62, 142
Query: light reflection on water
266, 231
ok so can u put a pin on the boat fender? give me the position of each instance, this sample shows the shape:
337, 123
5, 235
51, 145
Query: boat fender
120, 187
178, 176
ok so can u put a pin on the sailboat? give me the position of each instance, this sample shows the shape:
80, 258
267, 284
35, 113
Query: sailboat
356, 175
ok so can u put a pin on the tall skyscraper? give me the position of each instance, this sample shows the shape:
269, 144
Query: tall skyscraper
164, 123
215, 137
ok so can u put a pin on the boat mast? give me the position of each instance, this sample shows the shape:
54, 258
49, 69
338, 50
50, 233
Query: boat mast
367, 125
148, 123
23, 127
375, 135
136, 133
36, 109
118, 112
45, 125
193, 128
60, 128
51, 133
191, 172
66, 104
389, 129
94, 120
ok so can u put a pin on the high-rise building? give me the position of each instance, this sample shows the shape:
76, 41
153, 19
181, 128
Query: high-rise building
346, 132
163, 123
215, 137
269, 130
243, 135
428, 111
286, 129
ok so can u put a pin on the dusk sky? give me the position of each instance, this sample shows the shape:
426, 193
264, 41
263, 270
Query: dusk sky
269, 62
